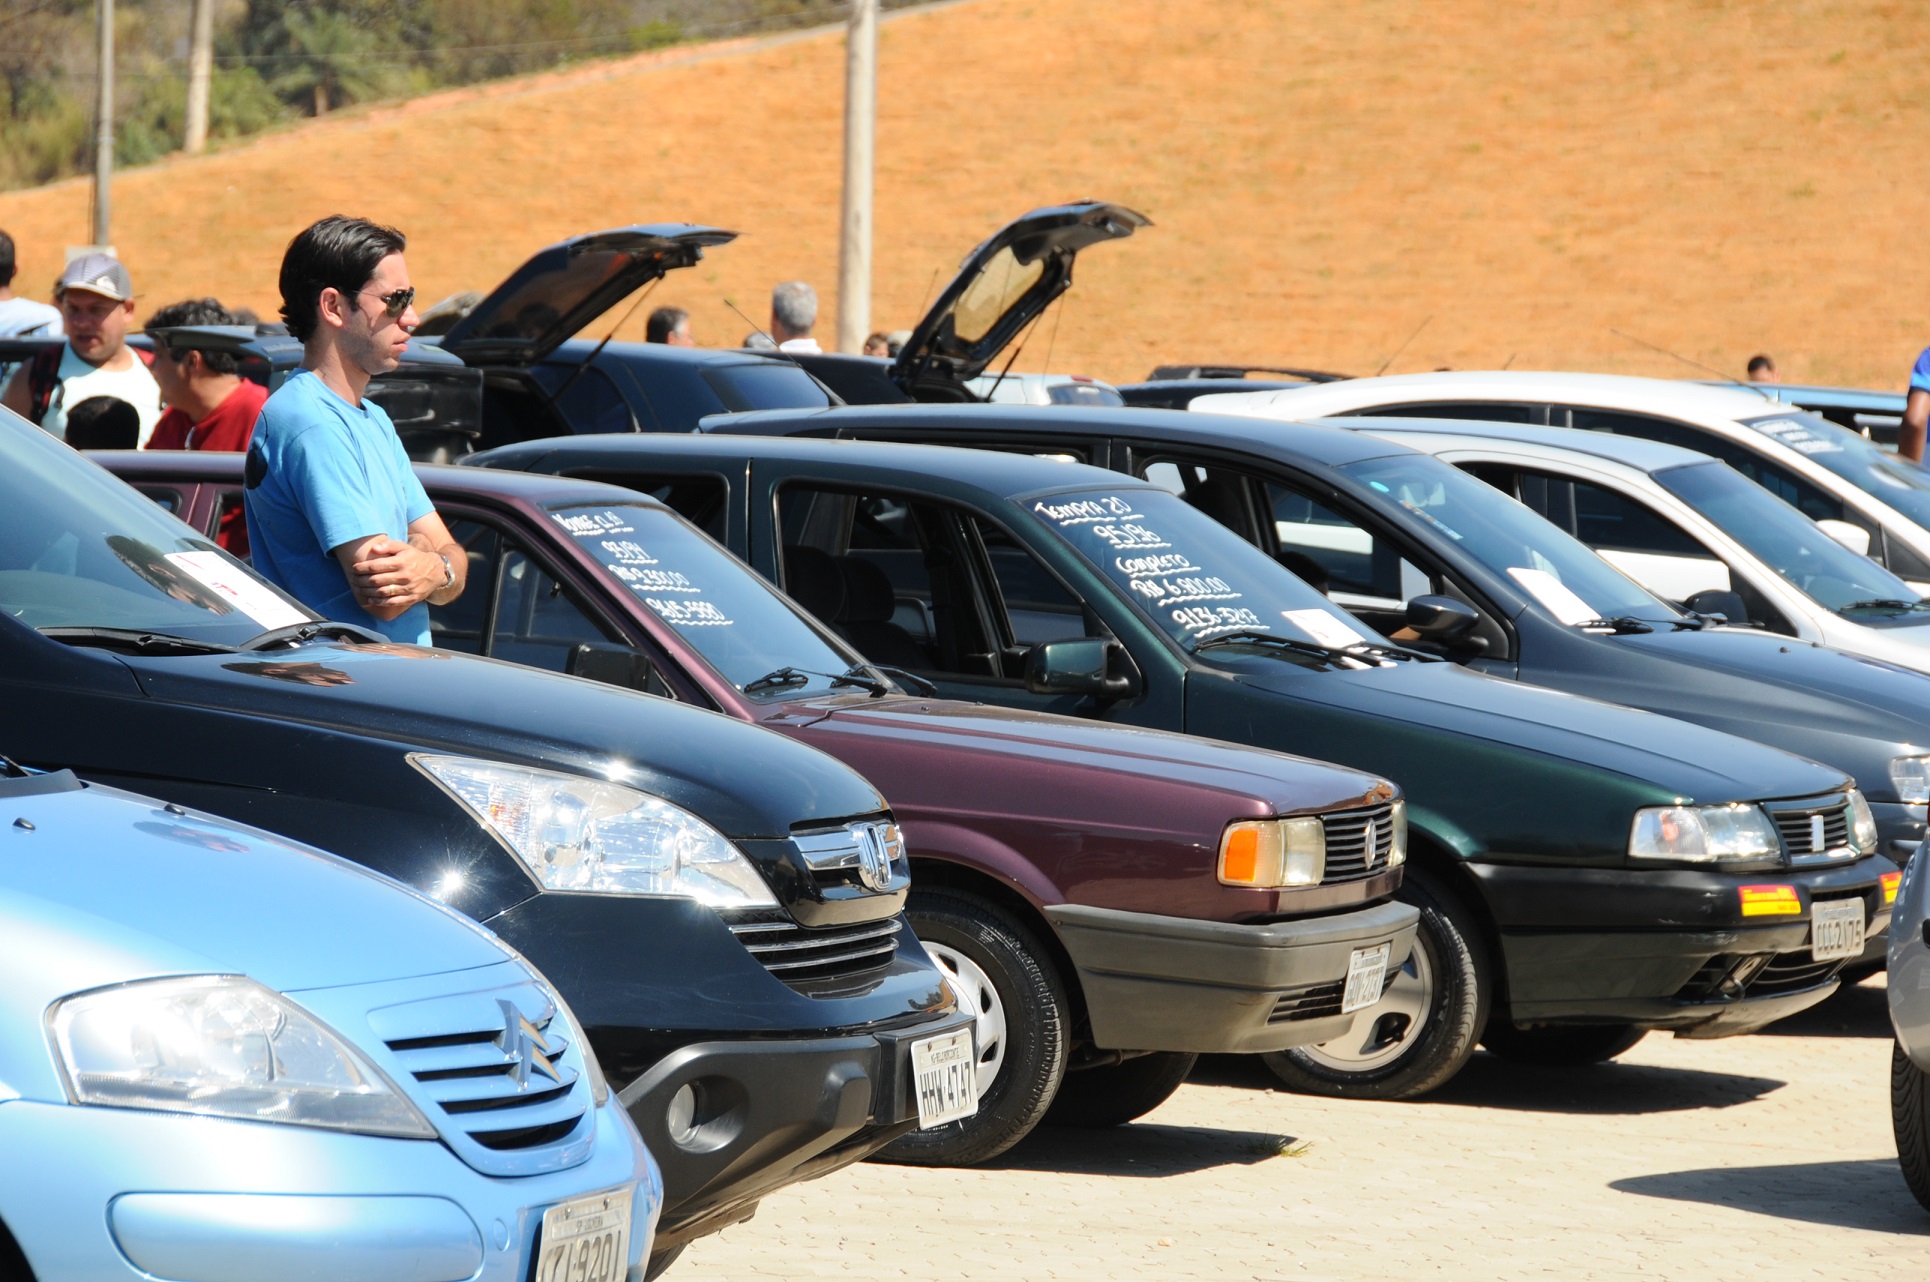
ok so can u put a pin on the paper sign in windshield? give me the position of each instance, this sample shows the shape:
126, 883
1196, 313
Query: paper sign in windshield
1323, 627
1556, 595
671, 595
237, 587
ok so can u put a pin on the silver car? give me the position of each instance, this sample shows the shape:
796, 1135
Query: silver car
1910, 1015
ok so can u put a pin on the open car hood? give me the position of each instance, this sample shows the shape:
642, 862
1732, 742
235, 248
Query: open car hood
1003, 285
566, 286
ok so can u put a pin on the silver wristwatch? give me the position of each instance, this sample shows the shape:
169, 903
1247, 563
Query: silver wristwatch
448, 569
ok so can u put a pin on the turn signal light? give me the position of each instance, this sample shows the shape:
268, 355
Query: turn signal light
1273, 853
1770, 901
1890, 880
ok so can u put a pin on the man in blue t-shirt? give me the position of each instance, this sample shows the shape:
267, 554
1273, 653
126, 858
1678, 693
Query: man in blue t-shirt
1916, 410
335, 513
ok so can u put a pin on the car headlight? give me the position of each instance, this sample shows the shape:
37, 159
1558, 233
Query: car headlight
582, 834
1273, 853
1911, 775
1703, 834
1397, 850
223, 1046
1862, 824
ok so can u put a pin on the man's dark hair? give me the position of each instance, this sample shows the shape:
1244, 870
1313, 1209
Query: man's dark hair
197, 311
7, 264
103, 423
1761, 361
663, 323
336, 253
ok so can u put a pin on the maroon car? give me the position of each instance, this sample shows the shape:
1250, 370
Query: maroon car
1110, 901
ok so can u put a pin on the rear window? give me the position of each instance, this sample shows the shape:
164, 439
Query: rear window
765, 386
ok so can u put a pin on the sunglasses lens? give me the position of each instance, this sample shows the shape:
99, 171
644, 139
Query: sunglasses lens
399, 301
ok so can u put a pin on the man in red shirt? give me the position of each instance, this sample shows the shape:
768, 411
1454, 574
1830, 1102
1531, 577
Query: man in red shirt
210, 406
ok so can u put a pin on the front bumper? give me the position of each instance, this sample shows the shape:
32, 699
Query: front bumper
1666, 949
1176, 984
1899, 827
98, 1194
732, 1121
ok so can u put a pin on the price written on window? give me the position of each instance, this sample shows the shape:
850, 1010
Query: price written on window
671, 594
1168, 580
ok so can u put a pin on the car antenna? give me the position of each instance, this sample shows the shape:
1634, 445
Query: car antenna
831, 396
1053, 342
1727, 378
1403, 347
590, 360
1510, 361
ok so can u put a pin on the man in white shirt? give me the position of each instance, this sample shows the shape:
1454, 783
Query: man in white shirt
794, 310
21, 317
96, 298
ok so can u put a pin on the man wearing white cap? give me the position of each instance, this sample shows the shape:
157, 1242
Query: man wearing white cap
96, 298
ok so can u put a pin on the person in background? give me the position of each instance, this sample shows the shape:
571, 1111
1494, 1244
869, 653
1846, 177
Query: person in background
895, 342
210, 406
794, 310
336, 516
669, 326
1762, 369
22, 317
96, 298
1916, 411
878, 344
103, 423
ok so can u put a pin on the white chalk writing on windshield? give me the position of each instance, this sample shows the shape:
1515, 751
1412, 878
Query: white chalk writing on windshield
632, 565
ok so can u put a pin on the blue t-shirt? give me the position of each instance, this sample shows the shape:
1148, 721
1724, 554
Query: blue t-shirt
321, 473
1920, 372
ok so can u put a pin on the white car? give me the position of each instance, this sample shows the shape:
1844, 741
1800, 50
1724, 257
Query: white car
1687, 527
1877, 502
1045, 389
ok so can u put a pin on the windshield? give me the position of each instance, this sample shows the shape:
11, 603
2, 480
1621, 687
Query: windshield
78, 549
727, 614
765, 386
1787, 541
1558, 570
1192, 576
1898, 482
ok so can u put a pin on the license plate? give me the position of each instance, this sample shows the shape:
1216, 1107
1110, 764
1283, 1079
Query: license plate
945, 1072
1836, 929
586, 1239
1366, 974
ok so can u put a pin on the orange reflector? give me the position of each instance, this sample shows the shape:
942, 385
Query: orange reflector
1241, 861
1770, 901
1891, 880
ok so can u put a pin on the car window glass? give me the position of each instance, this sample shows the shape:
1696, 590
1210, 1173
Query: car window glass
1778, 480
766, 385
586, 397
991, 294
1037, 606
1482, 411
701, 498
892, 575
462, 624
165, 497
1897, 482
231, 523
538, 620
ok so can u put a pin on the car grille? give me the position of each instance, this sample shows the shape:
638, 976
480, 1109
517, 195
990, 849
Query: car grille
1729, 977
1316, 1001
1348, 855
1796, 821
824, 959
494, 1071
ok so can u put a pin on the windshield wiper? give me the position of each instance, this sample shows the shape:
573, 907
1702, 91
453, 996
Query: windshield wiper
788, 676
1619, 625
296, 633
1364, 651
1883, 603
135, 641
904, 678
777, 680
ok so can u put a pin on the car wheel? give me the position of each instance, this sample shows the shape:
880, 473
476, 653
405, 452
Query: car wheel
1423, 1028
1558, 1047
1118, 1093
1910, 1117
999, 971
659, 1261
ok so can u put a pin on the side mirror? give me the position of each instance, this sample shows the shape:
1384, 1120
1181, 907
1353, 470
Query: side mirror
1445, 621
1081, 665
1853, 537
615, 665
1720, 603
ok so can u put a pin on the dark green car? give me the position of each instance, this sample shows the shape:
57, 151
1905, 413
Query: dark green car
1584, 871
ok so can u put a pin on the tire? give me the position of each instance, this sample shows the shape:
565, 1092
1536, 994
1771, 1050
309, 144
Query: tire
660, 1261
1118, 1093
1910, 1118
1422, 1030
1559, 1047
999, 970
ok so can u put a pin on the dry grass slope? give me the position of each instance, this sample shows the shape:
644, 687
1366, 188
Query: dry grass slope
1718, 176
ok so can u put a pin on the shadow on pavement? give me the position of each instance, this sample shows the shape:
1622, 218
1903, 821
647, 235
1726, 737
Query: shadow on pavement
1868, 1194
1142, 1149
1854, 1010
1490, 1082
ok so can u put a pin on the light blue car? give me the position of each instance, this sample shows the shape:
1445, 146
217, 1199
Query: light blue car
1910, 1017
225, 1057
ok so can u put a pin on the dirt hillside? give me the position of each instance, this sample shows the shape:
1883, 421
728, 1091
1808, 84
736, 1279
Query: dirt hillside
1518, 176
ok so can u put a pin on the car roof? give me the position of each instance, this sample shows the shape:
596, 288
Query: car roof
940, 469
1673, 397
1322, 444
1432, 435
575, 351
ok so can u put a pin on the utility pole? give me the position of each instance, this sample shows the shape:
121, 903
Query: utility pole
860, 137
104, 125
200, 74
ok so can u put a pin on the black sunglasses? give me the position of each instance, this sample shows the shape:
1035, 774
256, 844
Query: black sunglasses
394, 304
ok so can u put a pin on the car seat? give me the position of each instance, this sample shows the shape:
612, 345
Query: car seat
812, 578
866, 621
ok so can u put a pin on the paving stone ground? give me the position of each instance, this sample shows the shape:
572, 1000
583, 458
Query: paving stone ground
1762, 1157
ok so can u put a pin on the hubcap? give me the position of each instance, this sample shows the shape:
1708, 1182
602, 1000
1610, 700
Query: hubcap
975, 993
1383, 1032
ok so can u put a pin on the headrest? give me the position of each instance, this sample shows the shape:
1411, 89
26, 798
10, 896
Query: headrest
811, 577
868, 597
